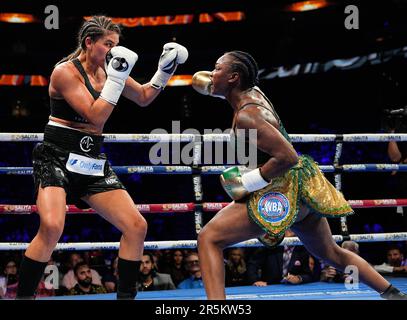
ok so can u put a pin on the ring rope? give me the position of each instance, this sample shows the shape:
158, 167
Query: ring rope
190, 206
192, 244
197, 139
205, 170
146, 138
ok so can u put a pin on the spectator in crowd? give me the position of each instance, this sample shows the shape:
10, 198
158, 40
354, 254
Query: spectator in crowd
158, 257
150, 279
282, 264
330, 274
9, 280
96, 261
195, 276
395, 265
111, 278
84, 285
351, 246
69, 279
235, 268
175, 267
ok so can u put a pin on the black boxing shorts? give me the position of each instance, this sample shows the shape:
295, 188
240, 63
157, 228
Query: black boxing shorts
72, 160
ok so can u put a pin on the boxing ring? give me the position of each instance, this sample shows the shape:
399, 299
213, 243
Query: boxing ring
311, 291
308, 291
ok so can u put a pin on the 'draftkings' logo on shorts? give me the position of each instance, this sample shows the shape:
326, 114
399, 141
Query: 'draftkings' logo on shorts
273, 207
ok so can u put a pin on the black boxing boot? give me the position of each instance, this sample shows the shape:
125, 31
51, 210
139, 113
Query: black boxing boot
129, 272
392, 293
30, 275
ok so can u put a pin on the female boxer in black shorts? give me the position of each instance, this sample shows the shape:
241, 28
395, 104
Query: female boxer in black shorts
69, 165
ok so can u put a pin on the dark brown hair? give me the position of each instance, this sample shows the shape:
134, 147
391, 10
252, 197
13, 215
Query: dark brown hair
95, 28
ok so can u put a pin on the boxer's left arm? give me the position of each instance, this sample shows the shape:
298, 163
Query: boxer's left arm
173, 54
142, 94
269, 140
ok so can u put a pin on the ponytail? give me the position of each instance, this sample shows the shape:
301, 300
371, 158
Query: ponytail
70, 57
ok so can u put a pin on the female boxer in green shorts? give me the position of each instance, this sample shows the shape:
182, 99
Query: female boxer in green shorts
285, 191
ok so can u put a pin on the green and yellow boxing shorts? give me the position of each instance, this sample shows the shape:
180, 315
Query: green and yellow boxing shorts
275, 207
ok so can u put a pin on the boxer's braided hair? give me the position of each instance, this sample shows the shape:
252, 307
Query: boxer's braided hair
94, 28
247, 67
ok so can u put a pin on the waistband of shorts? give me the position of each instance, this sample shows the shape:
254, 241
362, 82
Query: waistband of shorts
73, 140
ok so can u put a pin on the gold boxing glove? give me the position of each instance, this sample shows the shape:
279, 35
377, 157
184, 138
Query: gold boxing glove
201, 82
237, 186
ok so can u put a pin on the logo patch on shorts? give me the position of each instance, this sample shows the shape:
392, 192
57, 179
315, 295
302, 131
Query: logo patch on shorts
86, 144
111, 180
84, 165
273, 207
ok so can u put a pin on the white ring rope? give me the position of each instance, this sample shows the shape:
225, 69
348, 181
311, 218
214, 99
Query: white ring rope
190, 206
367, 167
187, 244
125, 137
192, 244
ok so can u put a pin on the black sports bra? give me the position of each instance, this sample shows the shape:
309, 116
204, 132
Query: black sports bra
61, 109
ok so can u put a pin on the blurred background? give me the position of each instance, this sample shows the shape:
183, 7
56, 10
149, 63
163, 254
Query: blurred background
320, 76
296, 44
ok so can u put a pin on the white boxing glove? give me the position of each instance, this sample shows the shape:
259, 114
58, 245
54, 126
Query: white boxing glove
172, 55
118, 64
238, 185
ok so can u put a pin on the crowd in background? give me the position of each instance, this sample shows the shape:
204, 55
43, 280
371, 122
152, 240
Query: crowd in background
95, 272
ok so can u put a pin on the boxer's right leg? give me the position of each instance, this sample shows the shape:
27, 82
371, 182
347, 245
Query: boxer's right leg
51, 205
230, 225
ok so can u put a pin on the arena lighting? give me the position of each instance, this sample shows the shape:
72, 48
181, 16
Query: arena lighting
180, 80
221, 16
23, 80
307, 5
17, 18
177, 19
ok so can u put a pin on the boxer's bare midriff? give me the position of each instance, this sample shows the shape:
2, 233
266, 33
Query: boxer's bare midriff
85, 127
